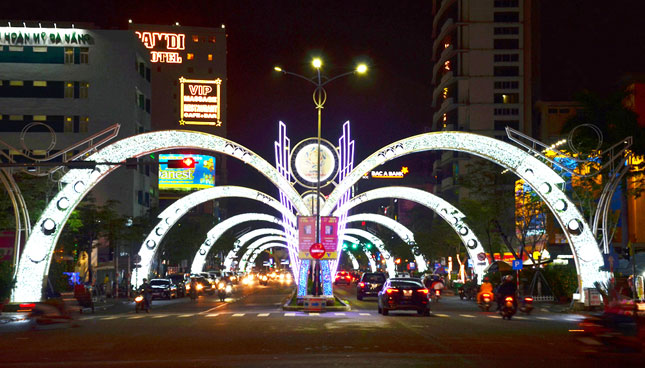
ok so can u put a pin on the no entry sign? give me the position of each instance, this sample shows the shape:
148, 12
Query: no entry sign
317, 250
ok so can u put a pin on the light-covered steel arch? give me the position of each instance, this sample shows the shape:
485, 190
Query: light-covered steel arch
39, 248
444, 209
180, 207
216, 232
368, 254
399, 229
389, 261
254, 255
540, 177
263, 240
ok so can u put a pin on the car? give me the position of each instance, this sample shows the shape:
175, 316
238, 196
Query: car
404, 294
370, 284
343, 277
402, 274
180, 281
163, 288
203, 285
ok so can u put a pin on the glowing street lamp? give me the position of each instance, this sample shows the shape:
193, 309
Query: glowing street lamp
320, 96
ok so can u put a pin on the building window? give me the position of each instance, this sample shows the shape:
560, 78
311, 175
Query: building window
506, 3
69, 125
140, 197
148, 105
506, 30
148, 74
40, 49
506, 111
40, 83
16, 83
85, 55
553, 111
69, 89
83, 125
142, 70
40, 117
506, 44
211, 39
69, 55
507, 98
506, 57
506, 71
190, 56
16, 48
16, 117
508, 17
195, 38
84, 90
507, 85
210, 57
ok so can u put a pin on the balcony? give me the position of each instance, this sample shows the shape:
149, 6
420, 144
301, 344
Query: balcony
448, 27
445, 5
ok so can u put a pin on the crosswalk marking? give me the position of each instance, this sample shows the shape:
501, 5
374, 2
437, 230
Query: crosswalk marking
339, 314
467, 315
441, 315
263, 314
212, 315
290, 314
185, 315
314, 314
238, 315
364, 314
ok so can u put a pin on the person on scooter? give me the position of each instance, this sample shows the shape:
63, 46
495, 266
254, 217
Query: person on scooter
486, 287
507, 288
146, 290
193, 289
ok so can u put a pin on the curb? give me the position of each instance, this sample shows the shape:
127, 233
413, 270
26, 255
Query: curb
345, 305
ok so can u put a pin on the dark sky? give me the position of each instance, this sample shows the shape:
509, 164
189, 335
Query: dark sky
585, 44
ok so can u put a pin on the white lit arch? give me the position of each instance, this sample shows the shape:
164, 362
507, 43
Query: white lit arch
399, 229
444, 209
180, 207
389, 261
540, 177
249, 251
368, 254
34, 262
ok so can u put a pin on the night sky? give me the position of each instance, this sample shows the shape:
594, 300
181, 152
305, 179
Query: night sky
585, 44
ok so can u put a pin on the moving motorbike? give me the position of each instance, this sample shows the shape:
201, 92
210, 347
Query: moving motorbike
436, 295
527, 305
509, 308
613, 332
484, 303
223, 289
264, 280
141, 304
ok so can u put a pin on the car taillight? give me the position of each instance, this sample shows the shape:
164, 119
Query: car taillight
390, 290
509, 299
361, 284
437, 292
528, 299
28, 305
424, 291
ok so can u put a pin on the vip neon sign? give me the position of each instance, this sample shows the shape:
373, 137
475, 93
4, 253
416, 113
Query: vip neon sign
199, 103
173, 41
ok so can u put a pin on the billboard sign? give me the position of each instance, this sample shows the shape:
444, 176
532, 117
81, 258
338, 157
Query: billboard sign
306, 235
186, 171
329, 236
199, 102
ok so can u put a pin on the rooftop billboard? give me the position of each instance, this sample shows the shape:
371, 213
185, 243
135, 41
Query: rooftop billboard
186, 171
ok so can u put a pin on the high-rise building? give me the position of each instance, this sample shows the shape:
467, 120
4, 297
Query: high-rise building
483, 54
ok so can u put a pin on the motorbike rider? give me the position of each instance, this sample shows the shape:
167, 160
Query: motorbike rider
436, 283
486, 287
507, 288
146, 290
193, 288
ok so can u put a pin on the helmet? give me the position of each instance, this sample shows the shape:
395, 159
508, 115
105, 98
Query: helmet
144, 280
508, 278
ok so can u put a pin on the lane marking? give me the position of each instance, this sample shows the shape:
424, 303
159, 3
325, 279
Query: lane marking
520, 317
109, 318
314, 314
263, 314
364, 314
494, 316
238, 315
290, 314
185, 315
544, 318
160, 316
467, 315
212, 315
441, 315
135, 317
339, 314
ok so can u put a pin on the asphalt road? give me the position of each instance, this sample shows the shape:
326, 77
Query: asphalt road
251, 330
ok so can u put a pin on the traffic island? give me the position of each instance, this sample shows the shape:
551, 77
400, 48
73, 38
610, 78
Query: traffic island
315, 304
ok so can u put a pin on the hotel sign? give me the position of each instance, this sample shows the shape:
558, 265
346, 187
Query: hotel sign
14, 36
167, 42
200, 102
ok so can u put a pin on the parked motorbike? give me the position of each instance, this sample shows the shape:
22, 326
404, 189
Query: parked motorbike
527, 305
141, 304
462, 293
484, 303
509, 308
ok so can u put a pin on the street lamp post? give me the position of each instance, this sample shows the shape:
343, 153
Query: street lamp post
319, 97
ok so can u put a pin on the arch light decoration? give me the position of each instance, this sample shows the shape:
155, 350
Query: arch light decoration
36, 258
261, 249
249, 251
389, 261
180, 207
354, 261
247, 237
368, 254
399, 229
540, 177
216, 232
444, 209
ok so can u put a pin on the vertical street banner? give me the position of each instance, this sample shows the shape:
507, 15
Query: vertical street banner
306, 235
329, 236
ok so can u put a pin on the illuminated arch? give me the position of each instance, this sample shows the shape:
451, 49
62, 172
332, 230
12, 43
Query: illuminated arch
216, 232
389, 261
444, 209
34, 262
249, 251
261, 249
368, 254
540, 177
399, 229
180, 207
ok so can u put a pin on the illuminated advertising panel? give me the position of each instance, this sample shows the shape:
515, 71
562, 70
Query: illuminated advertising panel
186, 171
387, 174
199, 102
167, 42
22, 36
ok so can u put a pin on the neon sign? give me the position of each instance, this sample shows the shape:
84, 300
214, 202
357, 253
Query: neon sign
168, 41
15, 36
199, 104
379, 174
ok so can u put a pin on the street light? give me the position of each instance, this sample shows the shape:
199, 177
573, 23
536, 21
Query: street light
320, 96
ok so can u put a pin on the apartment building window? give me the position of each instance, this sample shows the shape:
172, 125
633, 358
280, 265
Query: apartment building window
148, 105
195, 38
210, 57
15, 83
84, 124
85, 55
507, 17
141, 101
69, 55
190, 56
69, 124
69, 89
40, 83
506, 3
507, 85
507, 98
506, 44
506, 57
16, 48
140, 197
39, 117
506, 71
16, 117
211, 39
84, 90
39, 49
142, 70
502, 124
506, 111
506, 30
148, 74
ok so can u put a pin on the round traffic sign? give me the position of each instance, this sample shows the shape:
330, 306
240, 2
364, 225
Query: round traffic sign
317, 250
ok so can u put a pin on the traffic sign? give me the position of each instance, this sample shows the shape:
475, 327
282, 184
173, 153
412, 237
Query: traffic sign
317, 250
517, 264
136, 258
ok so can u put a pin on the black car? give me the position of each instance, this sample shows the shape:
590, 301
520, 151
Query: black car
404, 294
163, 288
180, 281
370, 284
